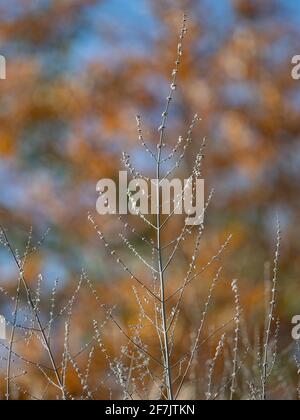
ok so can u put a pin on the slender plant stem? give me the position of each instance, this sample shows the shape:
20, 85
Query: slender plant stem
32, 305
160, 224
11, 342
167, 365
270, 319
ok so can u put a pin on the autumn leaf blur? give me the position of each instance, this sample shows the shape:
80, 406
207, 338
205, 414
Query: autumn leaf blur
78, 73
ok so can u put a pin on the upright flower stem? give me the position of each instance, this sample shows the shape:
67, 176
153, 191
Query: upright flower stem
166, 355
265, 366
160, 225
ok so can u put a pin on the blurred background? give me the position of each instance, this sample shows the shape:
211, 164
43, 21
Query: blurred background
79, 71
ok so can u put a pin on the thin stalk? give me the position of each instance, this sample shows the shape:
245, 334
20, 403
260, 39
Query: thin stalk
166, 353
270, 319
36, 315
11, 342
159, 224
